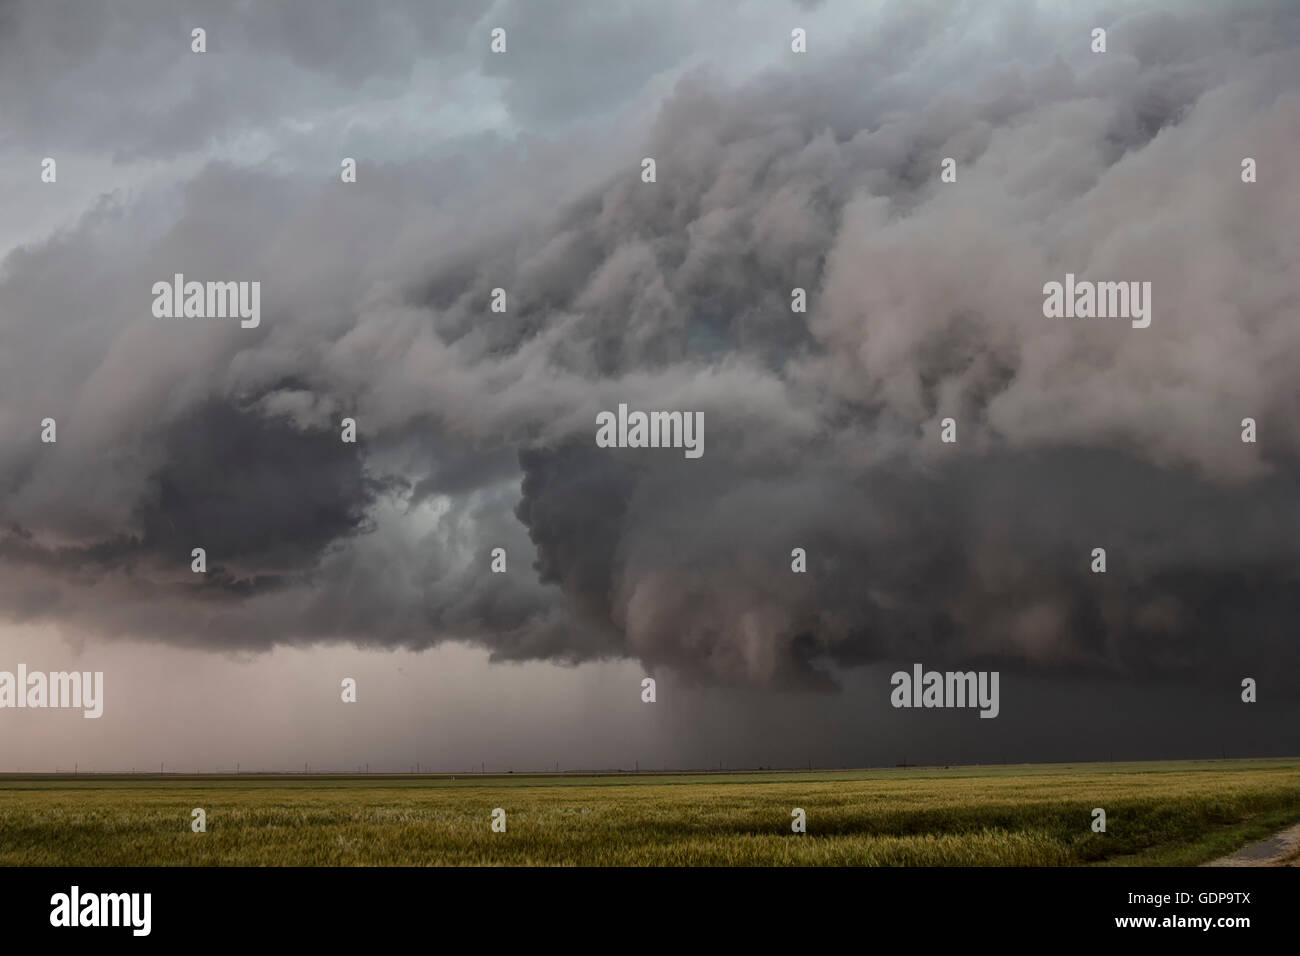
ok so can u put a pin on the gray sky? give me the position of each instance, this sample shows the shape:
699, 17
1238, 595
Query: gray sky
476, 429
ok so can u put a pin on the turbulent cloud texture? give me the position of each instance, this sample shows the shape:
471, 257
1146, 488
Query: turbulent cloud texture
818, 171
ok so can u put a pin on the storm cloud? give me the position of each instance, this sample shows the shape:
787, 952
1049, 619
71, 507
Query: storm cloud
476, 428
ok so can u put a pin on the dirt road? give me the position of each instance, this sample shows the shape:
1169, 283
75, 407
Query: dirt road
1281, 849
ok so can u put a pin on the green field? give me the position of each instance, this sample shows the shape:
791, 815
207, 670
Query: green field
1038, 815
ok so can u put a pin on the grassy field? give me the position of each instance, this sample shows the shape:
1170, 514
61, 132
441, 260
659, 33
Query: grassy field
1039, 815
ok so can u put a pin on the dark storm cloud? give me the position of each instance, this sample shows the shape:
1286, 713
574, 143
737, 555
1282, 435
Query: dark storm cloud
258, 490
821, 428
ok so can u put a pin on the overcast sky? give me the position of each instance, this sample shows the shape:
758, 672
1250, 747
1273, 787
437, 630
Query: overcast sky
476, 429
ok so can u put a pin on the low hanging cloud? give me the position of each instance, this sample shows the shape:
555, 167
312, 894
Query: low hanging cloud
476, 428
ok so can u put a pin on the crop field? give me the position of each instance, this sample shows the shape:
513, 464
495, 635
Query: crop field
1173, 813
